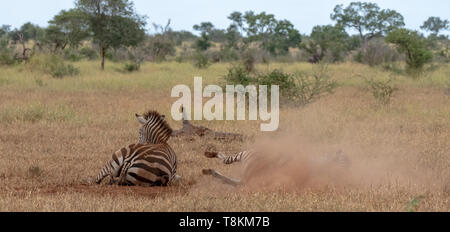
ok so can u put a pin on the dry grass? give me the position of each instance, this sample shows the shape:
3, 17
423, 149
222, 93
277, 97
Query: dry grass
56, 134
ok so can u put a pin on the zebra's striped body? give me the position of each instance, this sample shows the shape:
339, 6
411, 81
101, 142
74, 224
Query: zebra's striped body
141, 165
152, 162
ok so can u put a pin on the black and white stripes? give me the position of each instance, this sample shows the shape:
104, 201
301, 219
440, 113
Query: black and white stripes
152, 162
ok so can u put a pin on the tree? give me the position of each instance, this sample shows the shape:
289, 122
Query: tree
275, 36
232, 37
31, 32
204, 42
113, 23
368, 19
160, 45
21, 36
327, 39
435, 25
67, 28
178, 37
4, 30
410, 43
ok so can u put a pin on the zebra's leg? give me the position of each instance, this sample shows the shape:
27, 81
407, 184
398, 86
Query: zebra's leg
226, 159
224, 179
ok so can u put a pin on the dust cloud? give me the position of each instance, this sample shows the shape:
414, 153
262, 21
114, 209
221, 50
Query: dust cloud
294, 164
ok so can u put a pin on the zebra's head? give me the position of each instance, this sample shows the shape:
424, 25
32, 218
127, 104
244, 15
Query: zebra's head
155, 129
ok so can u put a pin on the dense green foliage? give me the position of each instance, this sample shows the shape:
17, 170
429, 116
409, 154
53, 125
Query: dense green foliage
113, 30
297, 88
410, 43
368, 19
274, 36
67, 28
435, 25
327, 40
113, 23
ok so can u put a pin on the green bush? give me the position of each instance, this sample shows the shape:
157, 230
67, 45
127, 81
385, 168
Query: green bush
132, 67
383, 91
201, 60
61, 70
238, 75
72, 55
299, 88
89, 53
83, 53
286, 81
410, 43
309, 87
53, 65
6, 53
229, 54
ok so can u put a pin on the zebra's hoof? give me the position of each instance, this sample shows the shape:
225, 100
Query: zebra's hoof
208, 172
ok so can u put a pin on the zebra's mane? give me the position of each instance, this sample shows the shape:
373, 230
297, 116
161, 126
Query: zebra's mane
157, 120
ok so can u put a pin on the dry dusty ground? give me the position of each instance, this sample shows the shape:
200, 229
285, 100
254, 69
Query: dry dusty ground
57, 134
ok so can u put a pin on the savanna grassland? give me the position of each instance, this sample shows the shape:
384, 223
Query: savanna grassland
56, 134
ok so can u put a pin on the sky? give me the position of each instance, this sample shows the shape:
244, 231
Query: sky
304, 14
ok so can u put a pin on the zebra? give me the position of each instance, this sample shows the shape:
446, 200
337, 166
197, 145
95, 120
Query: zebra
243, 157
253, 163
151, 162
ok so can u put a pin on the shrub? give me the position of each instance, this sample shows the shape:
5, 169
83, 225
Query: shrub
201, 60
382, 91
238, 75
158, 47
377, 52
89, 53
410, 43
53, 65
72, 55
6, 53
286, 81
132, 67
299, 88
61, 70
229, 54
310, 87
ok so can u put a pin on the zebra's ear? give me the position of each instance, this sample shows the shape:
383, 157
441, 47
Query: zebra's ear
163, 117
141, 119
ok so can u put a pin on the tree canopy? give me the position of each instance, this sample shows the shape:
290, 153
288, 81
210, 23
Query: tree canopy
327, 39
275, 36
67, 28
435, 25
410, 43
113, 23
368, 19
